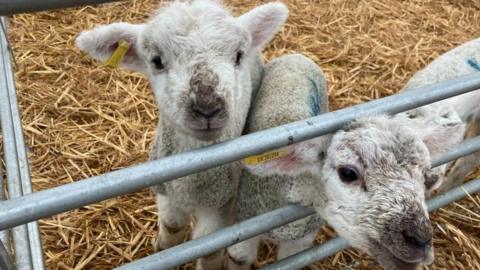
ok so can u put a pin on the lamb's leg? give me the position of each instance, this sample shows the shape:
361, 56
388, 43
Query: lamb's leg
172, 223
210, 220
242, 255
290, 247
466, 164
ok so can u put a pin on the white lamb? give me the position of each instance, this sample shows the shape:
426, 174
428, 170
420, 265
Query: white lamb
203, 65
368, 180
460, 61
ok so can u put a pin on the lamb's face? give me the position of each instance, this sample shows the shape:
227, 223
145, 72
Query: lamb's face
371, 182
374, 182
198, 68
197, 57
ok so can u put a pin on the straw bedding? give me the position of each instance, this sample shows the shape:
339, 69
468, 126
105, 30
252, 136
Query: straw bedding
82, 119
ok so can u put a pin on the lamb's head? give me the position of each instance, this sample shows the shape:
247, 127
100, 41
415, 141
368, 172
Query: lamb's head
371, 186
197, 57
374, 176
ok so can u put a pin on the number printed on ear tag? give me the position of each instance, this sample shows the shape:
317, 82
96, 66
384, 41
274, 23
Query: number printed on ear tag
264, 157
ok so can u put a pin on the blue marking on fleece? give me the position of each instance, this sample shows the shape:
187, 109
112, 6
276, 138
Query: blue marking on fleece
474, 64
314, 99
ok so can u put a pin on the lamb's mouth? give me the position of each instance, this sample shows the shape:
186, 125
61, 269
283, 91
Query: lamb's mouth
390, 260
207, 134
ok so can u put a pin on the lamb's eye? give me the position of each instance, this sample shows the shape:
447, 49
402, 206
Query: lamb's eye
239, 57
348, 174
157, 61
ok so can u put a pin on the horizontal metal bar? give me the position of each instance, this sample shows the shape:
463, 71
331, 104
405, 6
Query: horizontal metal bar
21, 241
331, 247
10, 7
70, 196
191, 250
309, 256
464, 148
203, 246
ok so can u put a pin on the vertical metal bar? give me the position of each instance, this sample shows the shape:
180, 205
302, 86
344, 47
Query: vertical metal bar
20, 233
4, 235
5, 260
33, 230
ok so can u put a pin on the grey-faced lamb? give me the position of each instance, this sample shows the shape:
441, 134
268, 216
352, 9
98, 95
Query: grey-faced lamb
368, 180
203, 65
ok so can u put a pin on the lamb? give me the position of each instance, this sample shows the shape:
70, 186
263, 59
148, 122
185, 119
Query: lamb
294, 88
460, 61
203, 65
368, 180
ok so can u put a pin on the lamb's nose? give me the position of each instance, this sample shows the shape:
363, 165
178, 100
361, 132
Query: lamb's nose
417, 240
207, 113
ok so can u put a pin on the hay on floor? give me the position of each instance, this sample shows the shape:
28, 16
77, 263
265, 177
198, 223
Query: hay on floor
82, 119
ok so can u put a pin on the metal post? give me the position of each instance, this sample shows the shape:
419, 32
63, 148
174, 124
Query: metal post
13, 131
70, 196
21, 242
22, 160
10, 7
5, 260
189, 251
4, 235
331, 247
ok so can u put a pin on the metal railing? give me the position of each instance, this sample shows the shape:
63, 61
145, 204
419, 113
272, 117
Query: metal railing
10, 7
26, 238
203, 246
22, 207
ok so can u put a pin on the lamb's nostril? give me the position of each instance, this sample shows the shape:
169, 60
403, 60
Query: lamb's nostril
416, 241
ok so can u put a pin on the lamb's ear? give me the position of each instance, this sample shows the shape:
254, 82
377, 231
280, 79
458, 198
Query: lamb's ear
447, 131
103, 40
264, 21
440, 128
439, 140
291, 160
434, 178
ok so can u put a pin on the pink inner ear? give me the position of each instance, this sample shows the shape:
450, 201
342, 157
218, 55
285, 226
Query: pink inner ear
287, 163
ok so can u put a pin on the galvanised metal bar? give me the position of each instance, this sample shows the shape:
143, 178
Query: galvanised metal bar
333, 246
310, 256
465, 148
21, 241
10, 7
5, 260
4, 235
22, 160
223, 238
203, 246
70, 196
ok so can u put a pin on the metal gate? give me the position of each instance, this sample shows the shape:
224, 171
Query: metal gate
19, 213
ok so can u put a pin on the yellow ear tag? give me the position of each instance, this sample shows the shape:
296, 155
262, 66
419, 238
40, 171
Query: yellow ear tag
264, 157
118, 54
